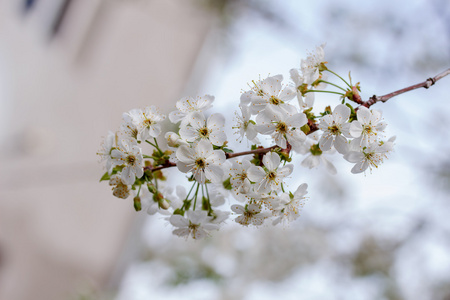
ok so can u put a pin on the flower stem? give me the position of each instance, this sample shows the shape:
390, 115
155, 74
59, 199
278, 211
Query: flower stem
330, 83
339, 77
157, 146
320, 91
196, 194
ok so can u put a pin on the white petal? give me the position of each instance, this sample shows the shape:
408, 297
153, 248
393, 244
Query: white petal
216, 121
181, 231
359, 167
197, 120
356, 129
285, 171
214, 173
354, 156
239, 209
341, 113
363, 114
204, 148
178, 221
287, 93
326, 141
329, 166
256, 174
296, 120
271, 161
128, 176
341, 145
184, 154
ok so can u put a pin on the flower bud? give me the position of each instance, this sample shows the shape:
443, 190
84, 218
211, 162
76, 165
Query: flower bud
137, 203
173, 139
164, 204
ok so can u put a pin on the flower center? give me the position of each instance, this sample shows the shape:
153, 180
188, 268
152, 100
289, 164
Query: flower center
368, 130
131, 159
272, 175
315, 150
281, 127
133, 131
204, 132
193, 228
334, 129
200, 163
148, 122
274, 100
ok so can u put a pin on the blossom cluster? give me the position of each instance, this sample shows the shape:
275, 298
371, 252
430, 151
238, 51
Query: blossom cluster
253, 179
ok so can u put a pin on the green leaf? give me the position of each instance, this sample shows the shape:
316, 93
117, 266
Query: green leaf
105, 176
226, 150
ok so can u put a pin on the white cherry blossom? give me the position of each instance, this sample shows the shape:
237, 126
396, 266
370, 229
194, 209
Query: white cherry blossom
335, 129
107, 147
239, 177
120, 189
200, 128
273, 94
368, 127
146, 121
370, 156
311, 65
128, 128
282, 126
196, 224
129, 155
250, 214
315, 155
200, 159
290, 205
308, 100
246, 126
270, 178
187, 105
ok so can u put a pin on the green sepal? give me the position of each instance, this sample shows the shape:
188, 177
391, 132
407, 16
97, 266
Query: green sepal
205, 204
178, 211
309, 114
305, 128
227, 184
315, 150
352, 113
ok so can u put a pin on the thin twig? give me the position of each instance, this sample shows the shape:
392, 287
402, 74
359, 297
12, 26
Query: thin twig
258, 150
426, 84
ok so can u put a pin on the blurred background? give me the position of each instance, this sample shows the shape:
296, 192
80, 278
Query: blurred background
69, 69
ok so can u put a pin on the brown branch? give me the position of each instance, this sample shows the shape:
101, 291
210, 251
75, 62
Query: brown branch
168, 164
256, 151
426, 84
313, 127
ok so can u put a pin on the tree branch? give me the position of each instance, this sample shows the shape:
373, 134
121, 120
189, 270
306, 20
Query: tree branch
312, 127
426, 84
258, 150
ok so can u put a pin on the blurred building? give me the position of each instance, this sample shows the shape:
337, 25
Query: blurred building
68, 70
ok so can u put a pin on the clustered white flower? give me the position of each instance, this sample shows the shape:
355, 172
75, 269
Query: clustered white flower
254, 178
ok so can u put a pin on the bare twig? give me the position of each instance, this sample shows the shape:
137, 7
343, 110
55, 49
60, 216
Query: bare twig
426, 84
258, 150
168, 164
